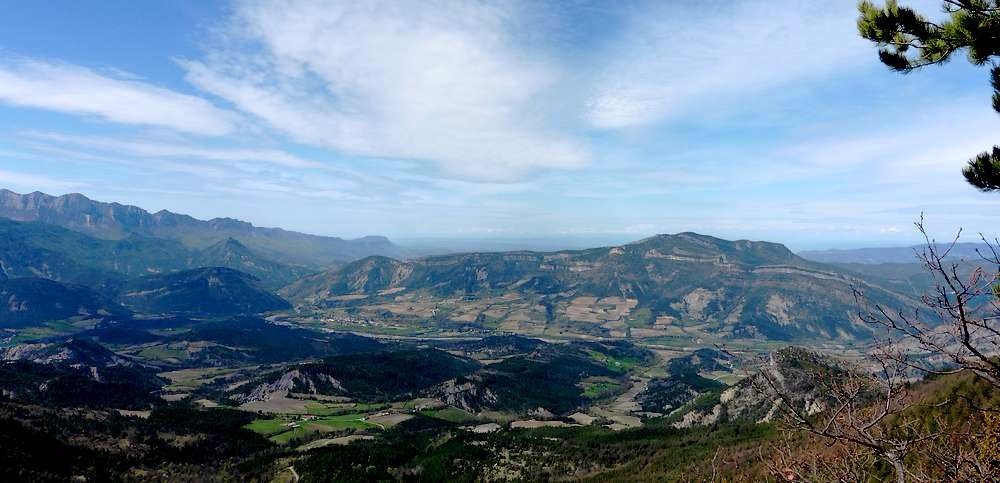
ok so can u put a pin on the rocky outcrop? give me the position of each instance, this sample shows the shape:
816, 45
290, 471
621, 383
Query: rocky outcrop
72, 352
793, 371
466, 395
291, 381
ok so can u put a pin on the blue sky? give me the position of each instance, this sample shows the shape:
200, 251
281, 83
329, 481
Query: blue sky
766, 120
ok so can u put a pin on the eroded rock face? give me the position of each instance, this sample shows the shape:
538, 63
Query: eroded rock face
291, 381
779, 308
388, 375
76, 353
466, 395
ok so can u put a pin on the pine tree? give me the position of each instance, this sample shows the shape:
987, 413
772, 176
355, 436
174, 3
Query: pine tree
908, 41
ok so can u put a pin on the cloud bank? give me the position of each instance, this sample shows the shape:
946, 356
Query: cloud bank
434, 81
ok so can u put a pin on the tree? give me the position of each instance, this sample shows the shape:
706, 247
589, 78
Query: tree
960, 330
858, 405
870, 415
908, 41
871, 422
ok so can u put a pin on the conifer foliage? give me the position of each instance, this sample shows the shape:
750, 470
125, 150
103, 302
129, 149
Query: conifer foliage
908, 40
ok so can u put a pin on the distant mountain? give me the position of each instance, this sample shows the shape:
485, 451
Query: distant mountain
113, 221
26, 302
367, 276
211, 291
664, 286
34, 249
966, 251
899, 267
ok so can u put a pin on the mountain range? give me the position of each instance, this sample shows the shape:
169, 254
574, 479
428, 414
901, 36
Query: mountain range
114, 221
901, 267
199, 353
877, 255
664, 288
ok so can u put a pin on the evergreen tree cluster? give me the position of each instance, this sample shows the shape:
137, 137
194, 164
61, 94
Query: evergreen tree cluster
908, 40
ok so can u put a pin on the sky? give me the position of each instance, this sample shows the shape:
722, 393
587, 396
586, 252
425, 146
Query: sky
764, 120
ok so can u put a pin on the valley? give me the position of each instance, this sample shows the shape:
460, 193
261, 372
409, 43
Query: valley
487, 366
473, 241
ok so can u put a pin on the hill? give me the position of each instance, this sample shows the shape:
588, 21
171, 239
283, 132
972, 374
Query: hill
547, 380
210, 291
75, 372
181, 342
665, 286
76, 352
26, 302
230, 253
252, 339
54, 385
373, 376
685, 381
113, 221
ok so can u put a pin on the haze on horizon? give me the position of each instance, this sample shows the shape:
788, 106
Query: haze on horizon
506, 120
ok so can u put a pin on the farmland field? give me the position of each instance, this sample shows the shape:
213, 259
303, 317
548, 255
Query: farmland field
283, 429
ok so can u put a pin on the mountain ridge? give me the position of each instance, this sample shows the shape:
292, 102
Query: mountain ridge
655, 285
907, 254
114, 221
36, 249
28, 301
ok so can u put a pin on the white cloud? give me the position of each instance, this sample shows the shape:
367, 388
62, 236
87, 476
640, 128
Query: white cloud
429, 81
928, 149
676, 60
73, 89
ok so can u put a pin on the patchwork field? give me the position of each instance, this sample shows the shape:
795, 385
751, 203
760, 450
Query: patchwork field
283, 429
413, 314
